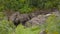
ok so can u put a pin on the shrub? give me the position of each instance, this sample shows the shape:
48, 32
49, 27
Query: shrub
53, 25
21, 30
6, 27
1, 15
18, 5
25, 9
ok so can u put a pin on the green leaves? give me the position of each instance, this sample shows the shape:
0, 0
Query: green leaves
21, 4
25, 9
21, 30
6, 27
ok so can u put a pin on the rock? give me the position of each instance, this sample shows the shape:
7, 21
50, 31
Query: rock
35, 13
23, 18
32, 15
57, 13
18, 18
14, 18
39, 20
43, 32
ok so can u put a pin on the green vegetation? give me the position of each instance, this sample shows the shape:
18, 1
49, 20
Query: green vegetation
1, 15
32, 30
6, 27
52, 25
25, 6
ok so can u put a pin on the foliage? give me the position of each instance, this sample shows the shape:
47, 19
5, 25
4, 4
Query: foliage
26, 5
53, 25
1, 15
45, 3
6, 27
21, 30
25, 9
